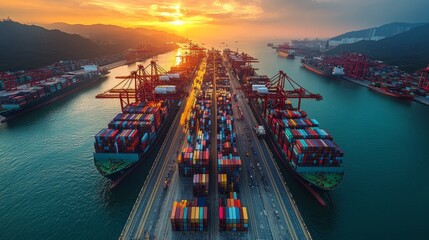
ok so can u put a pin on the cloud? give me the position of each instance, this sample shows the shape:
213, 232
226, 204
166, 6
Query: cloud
277, 17
192, 11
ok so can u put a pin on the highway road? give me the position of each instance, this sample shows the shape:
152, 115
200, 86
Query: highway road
283, 216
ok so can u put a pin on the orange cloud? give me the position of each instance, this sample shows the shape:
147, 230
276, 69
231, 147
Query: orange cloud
196, 19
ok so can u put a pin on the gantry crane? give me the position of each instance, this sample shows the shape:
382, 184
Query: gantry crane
278, 94
355, 64
9, 81
424, 81
140, 86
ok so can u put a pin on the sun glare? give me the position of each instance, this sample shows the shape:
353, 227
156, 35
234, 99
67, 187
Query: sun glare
177, 22
178, 57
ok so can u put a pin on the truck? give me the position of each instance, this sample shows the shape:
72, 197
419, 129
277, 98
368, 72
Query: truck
240, 112
260, 131
235, 96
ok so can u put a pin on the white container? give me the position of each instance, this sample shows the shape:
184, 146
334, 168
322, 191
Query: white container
164, 78
163, 89
90, 68
255, 87
262, 90
338, 71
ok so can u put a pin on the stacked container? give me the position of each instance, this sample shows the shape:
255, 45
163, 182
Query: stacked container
105, 141
303, 142
232, 215
189, 216
194, 158
201, 184
133, 130
228, 160
127, 141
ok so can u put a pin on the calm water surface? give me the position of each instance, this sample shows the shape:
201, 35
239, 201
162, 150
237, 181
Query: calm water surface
50, 189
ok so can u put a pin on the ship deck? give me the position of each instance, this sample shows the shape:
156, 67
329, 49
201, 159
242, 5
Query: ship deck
272, 211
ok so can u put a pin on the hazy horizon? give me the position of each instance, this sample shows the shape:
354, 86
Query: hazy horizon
224, 19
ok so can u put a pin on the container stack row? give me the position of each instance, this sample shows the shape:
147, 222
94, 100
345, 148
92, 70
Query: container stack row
228, 159
200, 115
303, 142
193, 161
105, 140
131, 132
189, 216
200, 184
232, 215
194, 158
322, 152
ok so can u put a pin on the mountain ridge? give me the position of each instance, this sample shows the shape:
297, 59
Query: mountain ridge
30, 46
408, 50
26, 47
121, 37
380, 32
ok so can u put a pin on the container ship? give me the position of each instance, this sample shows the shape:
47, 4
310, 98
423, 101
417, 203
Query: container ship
390, 90
286, 51
26, 98
130, 136
315, 65
149, 101
308, 151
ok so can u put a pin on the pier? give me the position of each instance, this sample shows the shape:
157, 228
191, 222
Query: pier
272, 211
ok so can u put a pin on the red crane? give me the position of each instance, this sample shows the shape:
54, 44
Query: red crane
424, 81
140, 86
137, 54
277, 94
242, 64
38, 75
355, 64
9, 81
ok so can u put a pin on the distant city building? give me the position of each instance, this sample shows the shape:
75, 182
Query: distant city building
334, 43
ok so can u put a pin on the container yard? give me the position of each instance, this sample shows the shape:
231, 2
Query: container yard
208, 183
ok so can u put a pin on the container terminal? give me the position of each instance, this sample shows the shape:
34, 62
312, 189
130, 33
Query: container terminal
42, 88
149, 98
376, 75
27, 90
297, 142
214, 175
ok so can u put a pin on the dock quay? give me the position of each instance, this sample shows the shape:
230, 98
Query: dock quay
242, 194
365, 83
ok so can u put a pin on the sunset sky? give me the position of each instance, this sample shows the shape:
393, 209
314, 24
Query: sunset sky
199, 20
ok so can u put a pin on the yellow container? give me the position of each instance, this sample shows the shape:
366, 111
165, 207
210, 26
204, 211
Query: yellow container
245, 217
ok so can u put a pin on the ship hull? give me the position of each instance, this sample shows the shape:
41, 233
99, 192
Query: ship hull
317, 71
285, 54
9, 115
394, 95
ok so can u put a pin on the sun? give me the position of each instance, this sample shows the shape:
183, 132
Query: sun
178, 22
